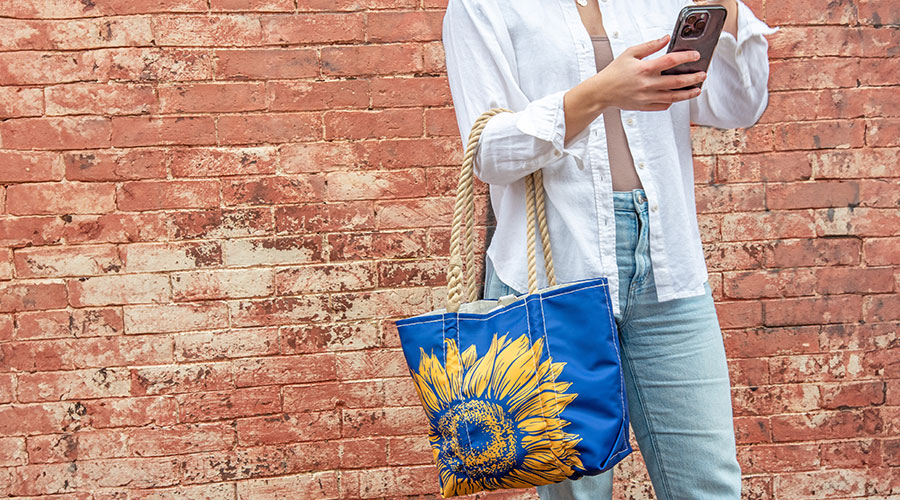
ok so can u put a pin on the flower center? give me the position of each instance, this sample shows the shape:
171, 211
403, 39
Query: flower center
480, 439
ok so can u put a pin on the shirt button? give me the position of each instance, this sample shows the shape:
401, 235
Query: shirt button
655, 207
615, 34
556, 153
641, 165
630, 121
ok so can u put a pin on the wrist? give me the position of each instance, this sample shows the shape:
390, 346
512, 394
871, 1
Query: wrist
590, 95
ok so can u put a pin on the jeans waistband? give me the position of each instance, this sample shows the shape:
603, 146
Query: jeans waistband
635, 200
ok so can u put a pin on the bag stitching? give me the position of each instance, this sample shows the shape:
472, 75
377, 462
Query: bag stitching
506, 310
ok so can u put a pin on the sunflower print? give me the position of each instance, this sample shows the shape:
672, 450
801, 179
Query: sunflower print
495, 420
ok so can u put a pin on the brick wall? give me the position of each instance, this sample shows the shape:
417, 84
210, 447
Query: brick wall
211, 210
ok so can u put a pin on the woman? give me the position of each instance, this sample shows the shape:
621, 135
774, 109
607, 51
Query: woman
612, 136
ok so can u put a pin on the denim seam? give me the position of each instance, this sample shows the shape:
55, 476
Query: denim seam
651, 434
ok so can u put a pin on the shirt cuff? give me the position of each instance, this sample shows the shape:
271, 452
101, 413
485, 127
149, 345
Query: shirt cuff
545, 119
750, 29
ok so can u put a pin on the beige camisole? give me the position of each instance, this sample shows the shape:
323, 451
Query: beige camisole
621, 164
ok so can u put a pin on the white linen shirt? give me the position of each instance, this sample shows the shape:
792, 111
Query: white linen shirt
524, 55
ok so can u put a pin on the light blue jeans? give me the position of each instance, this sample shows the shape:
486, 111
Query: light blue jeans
676, 378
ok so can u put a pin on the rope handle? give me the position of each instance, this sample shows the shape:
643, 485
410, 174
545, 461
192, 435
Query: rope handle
461, 287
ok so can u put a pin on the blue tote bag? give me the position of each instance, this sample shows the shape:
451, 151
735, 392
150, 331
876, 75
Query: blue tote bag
524, 390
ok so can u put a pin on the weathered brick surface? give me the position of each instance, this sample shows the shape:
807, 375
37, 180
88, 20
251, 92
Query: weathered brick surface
211, 211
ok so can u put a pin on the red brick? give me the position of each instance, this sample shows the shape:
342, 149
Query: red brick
727, 198
814, 12
817, 194
100, 99
808, 73
882, 132
756, 342
81, 260
787, 253
222, 284
324, 28
180, 379
769, 283
375, 185
404, 26
205, 30
277, 369
840, 365
115, 166
212, 97
371, 60
228, 404
12, 451
750, 430
852, 395
254, 63
274, 190
721, 256
76, 384
854, 163
230, 344
851, 454
859, 221
221, 223
289, 428
836, 280
31, 295
373, 124
881, 193
824, 425
259, 461
813, 310
767, 225
325, 278
820, 135
323, 485
255, 128
94, 352
170, 317
155, 195
118, 289
130, 131
55, 198
56, 133
191, 162
882, 307
315, 95
328, 337
772, 167
17, 102
411, 92
31, 166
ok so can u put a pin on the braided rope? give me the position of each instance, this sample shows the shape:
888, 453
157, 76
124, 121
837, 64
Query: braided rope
545, 233
529, 213
461, 269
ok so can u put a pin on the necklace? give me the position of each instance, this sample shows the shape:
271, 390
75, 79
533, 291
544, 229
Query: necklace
582, 3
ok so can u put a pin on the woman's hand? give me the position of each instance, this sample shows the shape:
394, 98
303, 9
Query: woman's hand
629, 82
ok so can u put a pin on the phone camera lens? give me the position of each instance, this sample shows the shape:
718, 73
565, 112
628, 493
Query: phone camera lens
692, 19
699, 25
686, 31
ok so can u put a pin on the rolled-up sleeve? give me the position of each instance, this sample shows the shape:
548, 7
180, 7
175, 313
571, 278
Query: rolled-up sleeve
735, 93
481, 76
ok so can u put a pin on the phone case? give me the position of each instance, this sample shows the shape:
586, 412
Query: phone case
704, 42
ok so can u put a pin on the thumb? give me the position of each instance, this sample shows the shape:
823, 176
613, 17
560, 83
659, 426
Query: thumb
643, 50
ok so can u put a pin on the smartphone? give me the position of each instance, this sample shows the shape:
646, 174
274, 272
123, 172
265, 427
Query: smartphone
698, 28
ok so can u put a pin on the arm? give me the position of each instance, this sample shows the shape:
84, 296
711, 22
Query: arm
735, 93
478, 52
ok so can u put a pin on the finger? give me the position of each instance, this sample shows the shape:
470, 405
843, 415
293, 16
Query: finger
670, 96
673, 59
643, 50
668, 82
